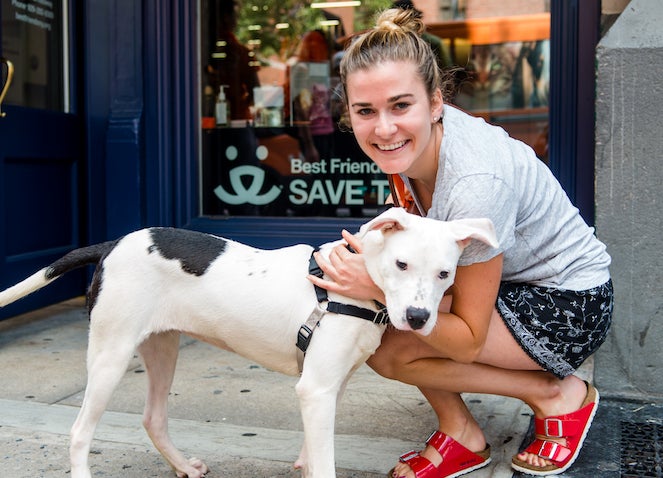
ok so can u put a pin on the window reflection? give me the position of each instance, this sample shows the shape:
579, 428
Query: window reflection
277, 149
32, 40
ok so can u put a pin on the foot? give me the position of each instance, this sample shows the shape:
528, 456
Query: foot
560, 432
199, 469
442, 457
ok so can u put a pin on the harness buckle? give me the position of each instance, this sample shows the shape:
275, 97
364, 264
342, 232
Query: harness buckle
304, 337
381, 317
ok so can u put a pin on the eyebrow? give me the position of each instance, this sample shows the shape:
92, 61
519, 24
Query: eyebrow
393, 99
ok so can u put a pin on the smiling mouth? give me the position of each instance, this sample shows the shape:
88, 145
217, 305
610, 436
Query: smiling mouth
390, 147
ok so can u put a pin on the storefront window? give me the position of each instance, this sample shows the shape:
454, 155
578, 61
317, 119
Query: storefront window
504, 47
271, 144
32, 39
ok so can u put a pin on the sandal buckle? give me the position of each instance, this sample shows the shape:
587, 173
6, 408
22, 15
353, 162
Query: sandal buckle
405, 457
554, 427
548, 450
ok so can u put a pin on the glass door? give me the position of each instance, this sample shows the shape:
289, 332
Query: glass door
40, 147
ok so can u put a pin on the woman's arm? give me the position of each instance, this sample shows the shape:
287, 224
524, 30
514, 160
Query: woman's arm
460, 334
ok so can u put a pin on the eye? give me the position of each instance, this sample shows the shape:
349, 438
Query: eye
401, 105
443, 274
401, 265
363, 111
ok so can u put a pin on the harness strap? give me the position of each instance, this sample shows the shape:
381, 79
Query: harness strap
306, 330
306, 333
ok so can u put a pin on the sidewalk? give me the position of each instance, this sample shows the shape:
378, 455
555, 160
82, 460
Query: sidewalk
240, 418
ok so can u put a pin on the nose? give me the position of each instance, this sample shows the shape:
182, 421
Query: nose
385, 127
416, 317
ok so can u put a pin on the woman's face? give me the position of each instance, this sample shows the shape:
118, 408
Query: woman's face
392, 117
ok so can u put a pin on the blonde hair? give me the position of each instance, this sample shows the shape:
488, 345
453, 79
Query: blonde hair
397, 36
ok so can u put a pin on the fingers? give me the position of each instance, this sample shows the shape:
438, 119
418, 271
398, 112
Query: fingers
352, 241
326, 267
325, 284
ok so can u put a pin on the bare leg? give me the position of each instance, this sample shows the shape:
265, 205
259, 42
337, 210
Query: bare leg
503, 368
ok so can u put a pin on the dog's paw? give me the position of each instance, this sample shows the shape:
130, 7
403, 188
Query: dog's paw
300, 463
200, 469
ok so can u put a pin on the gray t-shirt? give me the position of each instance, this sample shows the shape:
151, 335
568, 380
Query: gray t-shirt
485, 173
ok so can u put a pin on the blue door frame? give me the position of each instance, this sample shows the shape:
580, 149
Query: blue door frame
575, 32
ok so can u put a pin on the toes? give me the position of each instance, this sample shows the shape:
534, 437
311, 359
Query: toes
401, 471
533, 459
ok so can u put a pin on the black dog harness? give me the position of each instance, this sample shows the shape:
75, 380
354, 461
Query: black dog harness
306, 330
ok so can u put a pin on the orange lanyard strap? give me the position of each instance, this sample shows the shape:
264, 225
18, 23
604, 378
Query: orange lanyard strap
401, 195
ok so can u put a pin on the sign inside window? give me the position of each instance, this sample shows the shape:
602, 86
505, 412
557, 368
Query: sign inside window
262, 171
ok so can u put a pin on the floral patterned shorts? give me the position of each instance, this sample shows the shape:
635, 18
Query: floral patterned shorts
558, 328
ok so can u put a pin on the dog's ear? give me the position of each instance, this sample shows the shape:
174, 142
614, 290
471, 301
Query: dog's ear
481, 229
393, 219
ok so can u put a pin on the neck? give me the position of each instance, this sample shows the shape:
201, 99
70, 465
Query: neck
427, 173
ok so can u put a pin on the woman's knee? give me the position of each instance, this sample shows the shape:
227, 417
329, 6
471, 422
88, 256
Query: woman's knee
382, 363
393, 354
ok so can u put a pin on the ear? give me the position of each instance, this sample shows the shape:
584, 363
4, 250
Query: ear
437, 103
480, 229
393, 219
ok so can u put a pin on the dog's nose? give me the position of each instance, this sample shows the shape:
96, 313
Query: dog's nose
416, 317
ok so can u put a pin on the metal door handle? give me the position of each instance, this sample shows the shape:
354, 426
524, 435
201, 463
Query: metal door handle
10, 75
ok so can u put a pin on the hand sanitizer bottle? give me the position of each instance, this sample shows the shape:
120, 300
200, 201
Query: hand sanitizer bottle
222, 110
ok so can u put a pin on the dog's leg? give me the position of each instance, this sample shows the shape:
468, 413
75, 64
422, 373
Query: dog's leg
106, 367
302, 460
159, 354
338, 348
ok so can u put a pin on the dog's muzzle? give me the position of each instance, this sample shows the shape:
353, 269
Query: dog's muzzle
417, 317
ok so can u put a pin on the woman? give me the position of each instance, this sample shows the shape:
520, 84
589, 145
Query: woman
519, 319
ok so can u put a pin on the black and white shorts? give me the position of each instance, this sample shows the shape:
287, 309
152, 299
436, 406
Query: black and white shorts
557, 328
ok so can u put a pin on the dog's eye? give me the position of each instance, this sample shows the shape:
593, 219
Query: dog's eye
443, 274
401, 265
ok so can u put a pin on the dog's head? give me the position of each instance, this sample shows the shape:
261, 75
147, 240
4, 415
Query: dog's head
413, 260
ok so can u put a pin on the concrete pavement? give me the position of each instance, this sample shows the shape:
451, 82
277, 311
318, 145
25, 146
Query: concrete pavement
240, 418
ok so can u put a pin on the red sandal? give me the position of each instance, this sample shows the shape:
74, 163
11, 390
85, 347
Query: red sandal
572, 426
456, 459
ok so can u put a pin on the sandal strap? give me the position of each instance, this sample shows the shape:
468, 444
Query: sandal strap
563, 426
452, 451
549, 450
420, 465
439, 440
456, 459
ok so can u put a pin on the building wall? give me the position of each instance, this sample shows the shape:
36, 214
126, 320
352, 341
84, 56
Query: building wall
629, 193
443, 10
499, 8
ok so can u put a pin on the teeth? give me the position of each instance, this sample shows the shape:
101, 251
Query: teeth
390, 147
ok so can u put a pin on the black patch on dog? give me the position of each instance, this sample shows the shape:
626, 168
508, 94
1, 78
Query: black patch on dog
195, 250
84, 256
79, 258
95, 287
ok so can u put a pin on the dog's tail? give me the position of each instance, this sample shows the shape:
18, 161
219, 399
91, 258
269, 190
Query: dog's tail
73, 260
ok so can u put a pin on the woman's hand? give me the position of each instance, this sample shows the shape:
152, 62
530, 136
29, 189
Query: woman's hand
347, 272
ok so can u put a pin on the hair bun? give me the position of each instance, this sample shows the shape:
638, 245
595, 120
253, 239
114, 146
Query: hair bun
398, 19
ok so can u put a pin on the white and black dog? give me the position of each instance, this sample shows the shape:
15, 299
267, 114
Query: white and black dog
153, 284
